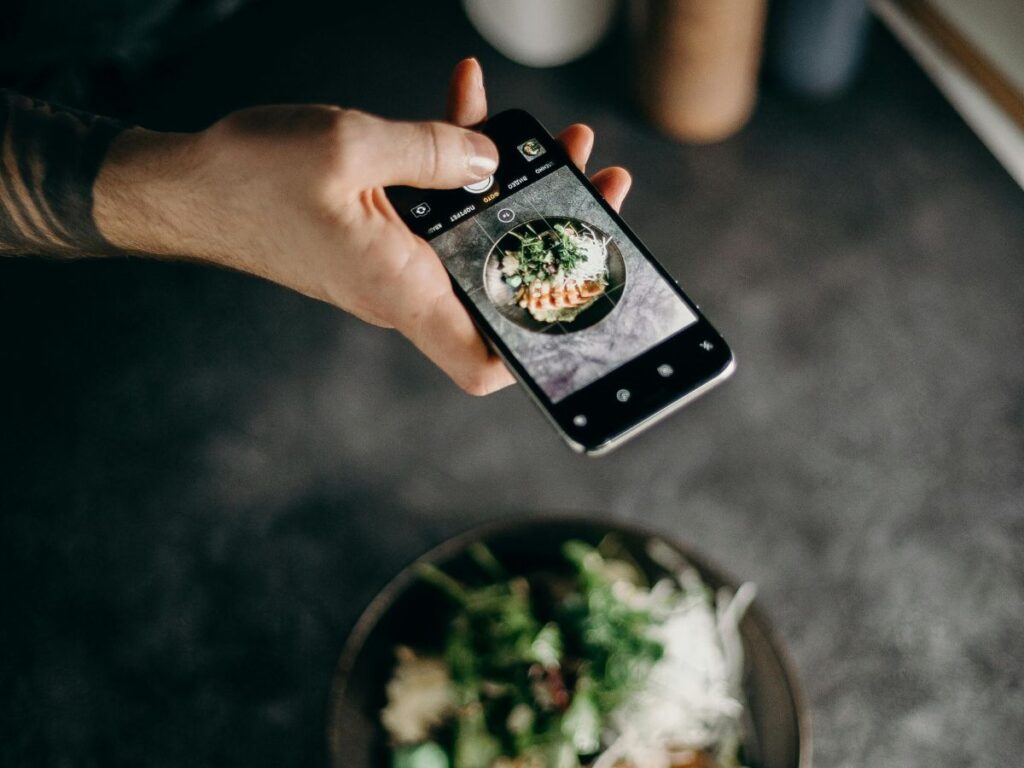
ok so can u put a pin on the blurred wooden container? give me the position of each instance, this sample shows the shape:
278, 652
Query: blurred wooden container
696, 64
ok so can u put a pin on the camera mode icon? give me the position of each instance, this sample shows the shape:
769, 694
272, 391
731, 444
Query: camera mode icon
420, 210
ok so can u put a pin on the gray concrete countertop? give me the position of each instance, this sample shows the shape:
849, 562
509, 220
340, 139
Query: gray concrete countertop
206, 477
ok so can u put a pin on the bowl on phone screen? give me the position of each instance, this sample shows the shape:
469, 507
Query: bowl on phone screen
554, 275
412, 613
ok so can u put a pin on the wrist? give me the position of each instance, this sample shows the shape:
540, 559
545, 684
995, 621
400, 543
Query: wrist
146, 196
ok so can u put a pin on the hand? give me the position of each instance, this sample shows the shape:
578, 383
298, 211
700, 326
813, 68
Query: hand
295, 194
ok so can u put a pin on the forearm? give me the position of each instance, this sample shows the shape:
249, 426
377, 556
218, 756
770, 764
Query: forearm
50, 158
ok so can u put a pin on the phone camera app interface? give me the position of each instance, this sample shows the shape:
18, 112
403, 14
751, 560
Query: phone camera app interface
558, 280
531, 149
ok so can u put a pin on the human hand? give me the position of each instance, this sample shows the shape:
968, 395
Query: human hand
295, 194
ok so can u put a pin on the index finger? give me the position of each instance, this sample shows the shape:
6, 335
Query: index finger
467, 98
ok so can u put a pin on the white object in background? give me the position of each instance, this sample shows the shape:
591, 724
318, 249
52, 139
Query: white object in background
541, 33
993, 125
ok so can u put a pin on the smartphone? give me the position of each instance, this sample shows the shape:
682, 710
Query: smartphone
593, 327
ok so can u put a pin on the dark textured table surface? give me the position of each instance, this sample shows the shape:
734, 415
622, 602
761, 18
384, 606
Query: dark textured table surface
205, 477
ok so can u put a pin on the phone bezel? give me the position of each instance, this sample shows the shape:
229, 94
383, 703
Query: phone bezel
609, 422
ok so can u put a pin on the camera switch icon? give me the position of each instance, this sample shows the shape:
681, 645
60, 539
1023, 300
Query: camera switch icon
420, 210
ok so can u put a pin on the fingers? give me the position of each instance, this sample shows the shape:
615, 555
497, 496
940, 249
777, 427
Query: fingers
432, 155
427, 155
613, 184
447, 336
467, 99
421, 303
578, 140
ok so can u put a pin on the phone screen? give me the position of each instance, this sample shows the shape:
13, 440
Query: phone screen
557, 279
570, 297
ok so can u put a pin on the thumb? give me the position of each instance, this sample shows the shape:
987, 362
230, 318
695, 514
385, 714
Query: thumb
431, 155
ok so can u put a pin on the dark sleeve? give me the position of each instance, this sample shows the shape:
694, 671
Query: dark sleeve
51, 157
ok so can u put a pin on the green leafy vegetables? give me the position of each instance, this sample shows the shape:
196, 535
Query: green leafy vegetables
557, 270
543, 671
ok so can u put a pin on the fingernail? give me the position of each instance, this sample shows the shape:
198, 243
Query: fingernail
478, 72
483, 155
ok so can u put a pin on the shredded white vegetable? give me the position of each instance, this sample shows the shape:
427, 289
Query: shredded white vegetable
593, 265
692, 699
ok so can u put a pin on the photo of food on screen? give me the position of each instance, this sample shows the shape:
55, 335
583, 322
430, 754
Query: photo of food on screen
561, 284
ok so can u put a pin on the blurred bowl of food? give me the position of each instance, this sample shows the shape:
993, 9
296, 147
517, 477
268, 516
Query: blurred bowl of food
553, 642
